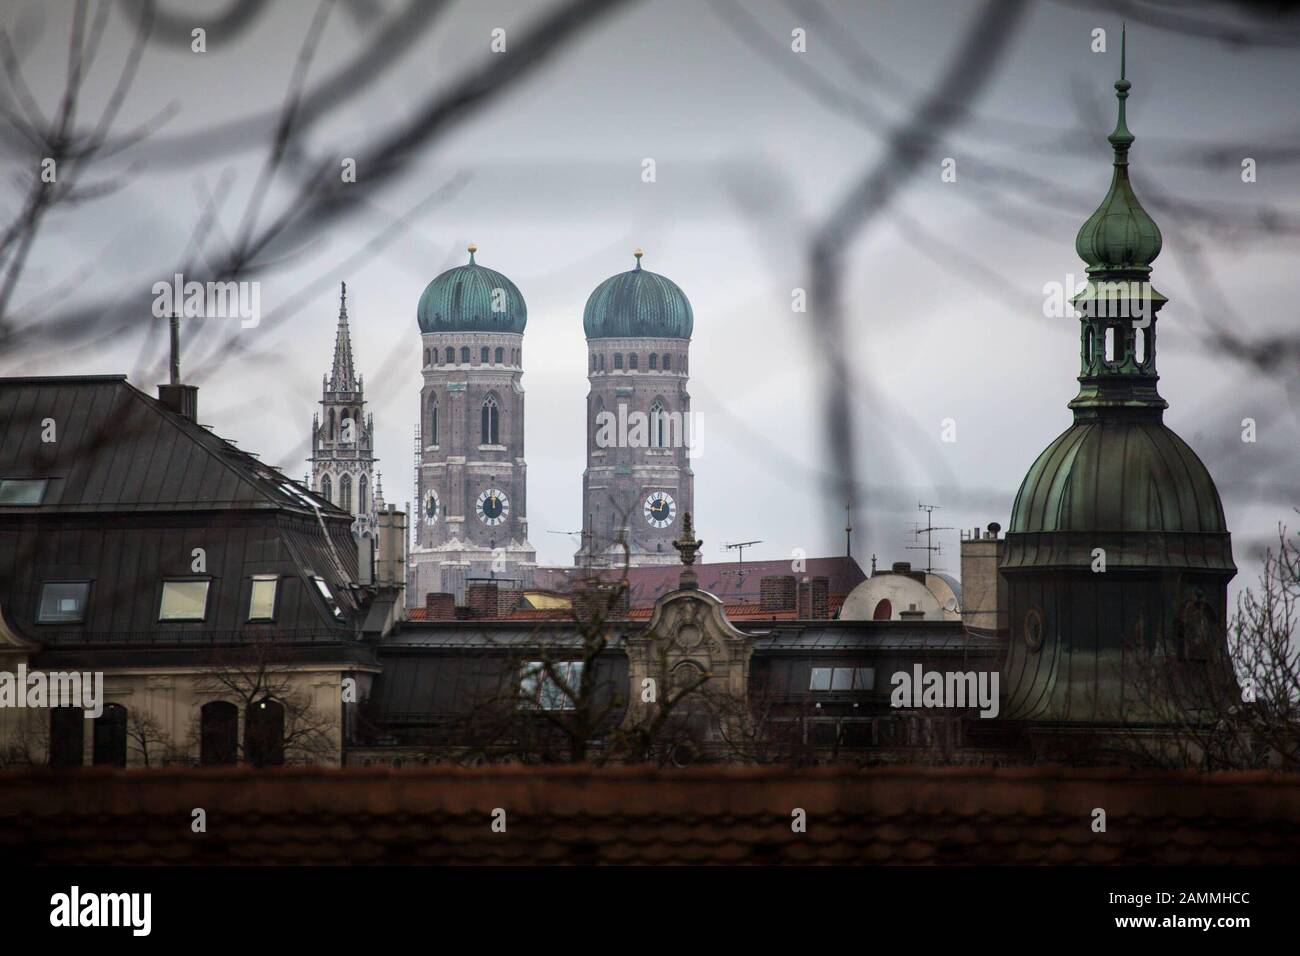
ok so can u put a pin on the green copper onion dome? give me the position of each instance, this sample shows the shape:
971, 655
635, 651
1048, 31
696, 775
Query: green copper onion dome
638, 304
472, 298
1119, 236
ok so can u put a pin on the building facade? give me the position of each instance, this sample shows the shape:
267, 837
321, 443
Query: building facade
472, 479
638, 480
343, 436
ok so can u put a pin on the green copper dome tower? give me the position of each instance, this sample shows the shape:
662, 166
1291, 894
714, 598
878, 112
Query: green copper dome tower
638, 480
1117, 548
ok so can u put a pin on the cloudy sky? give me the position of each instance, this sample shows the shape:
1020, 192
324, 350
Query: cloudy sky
755, 147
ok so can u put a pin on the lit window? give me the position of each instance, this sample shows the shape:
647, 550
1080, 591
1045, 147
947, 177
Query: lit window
328, 595
540, 691
821, 679
261, 604
184, 601
63, 602
22, 491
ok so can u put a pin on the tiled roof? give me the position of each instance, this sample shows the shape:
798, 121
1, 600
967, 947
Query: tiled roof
731, 581
906, 815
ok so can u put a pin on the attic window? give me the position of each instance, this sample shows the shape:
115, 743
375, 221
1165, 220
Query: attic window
261, 602
63, 602
22, 491
184, 601
328, 595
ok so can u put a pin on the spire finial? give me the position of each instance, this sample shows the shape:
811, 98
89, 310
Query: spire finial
638, 255
473, 248
343, 296
1121, 138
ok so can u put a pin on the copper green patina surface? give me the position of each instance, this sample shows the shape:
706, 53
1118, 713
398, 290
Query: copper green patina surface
1118, 472
638, 304
463, 299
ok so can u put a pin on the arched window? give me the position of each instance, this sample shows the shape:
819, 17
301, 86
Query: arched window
1140, 346
362, 497
218, 733
451, 356
331, 432
264, 733
345, 492
618, 360
433, 419
500, 357
327, 489
483, 355
633, 361
657, 423
884, 610
426, 356
1111, 349
67, 736
464, 354
593, 363
654, 361
110, 737
491, 422
602, 361
1087, 347
668, 362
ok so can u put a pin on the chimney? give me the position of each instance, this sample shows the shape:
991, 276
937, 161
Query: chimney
181, 399
482, 600
983, 588
440, 606
390, 548
776, 592
813, 599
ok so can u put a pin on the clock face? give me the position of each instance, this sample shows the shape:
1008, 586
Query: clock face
431, 504
493, 507
660, 509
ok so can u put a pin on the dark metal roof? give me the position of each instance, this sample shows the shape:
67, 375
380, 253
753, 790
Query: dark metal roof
118, 449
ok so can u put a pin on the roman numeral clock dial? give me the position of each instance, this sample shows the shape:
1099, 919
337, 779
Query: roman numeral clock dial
493, 507
660, 509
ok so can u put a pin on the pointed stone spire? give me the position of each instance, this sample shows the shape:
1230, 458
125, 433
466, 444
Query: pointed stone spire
379, 490
342, 378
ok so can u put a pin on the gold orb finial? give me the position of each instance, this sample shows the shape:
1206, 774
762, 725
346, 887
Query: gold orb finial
638, 252
472, 247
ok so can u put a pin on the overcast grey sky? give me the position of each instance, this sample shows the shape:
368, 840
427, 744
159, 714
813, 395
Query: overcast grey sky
754, 144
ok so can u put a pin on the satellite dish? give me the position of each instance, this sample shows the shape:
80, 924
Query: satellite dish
950, 604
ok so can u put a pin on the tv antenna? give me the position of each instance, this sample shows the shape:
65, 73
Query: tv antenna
739, 547
930, 548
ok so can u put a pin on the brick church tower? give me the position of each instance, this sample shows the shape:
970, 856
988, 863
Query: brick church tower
638, 482
472, 481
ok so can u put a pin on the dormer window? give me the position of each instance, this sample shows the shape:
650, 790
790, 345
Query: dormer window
184, 601
63, 602
328, 595
22, 491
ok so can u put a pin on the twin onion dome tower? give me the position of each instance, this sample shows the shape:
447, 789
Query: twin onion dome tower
471, 473
1118, 553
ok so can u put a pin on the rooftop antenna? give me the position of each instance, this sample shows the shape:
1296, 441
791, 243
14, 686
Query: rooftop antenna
848, 529
930, 548
739, 547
